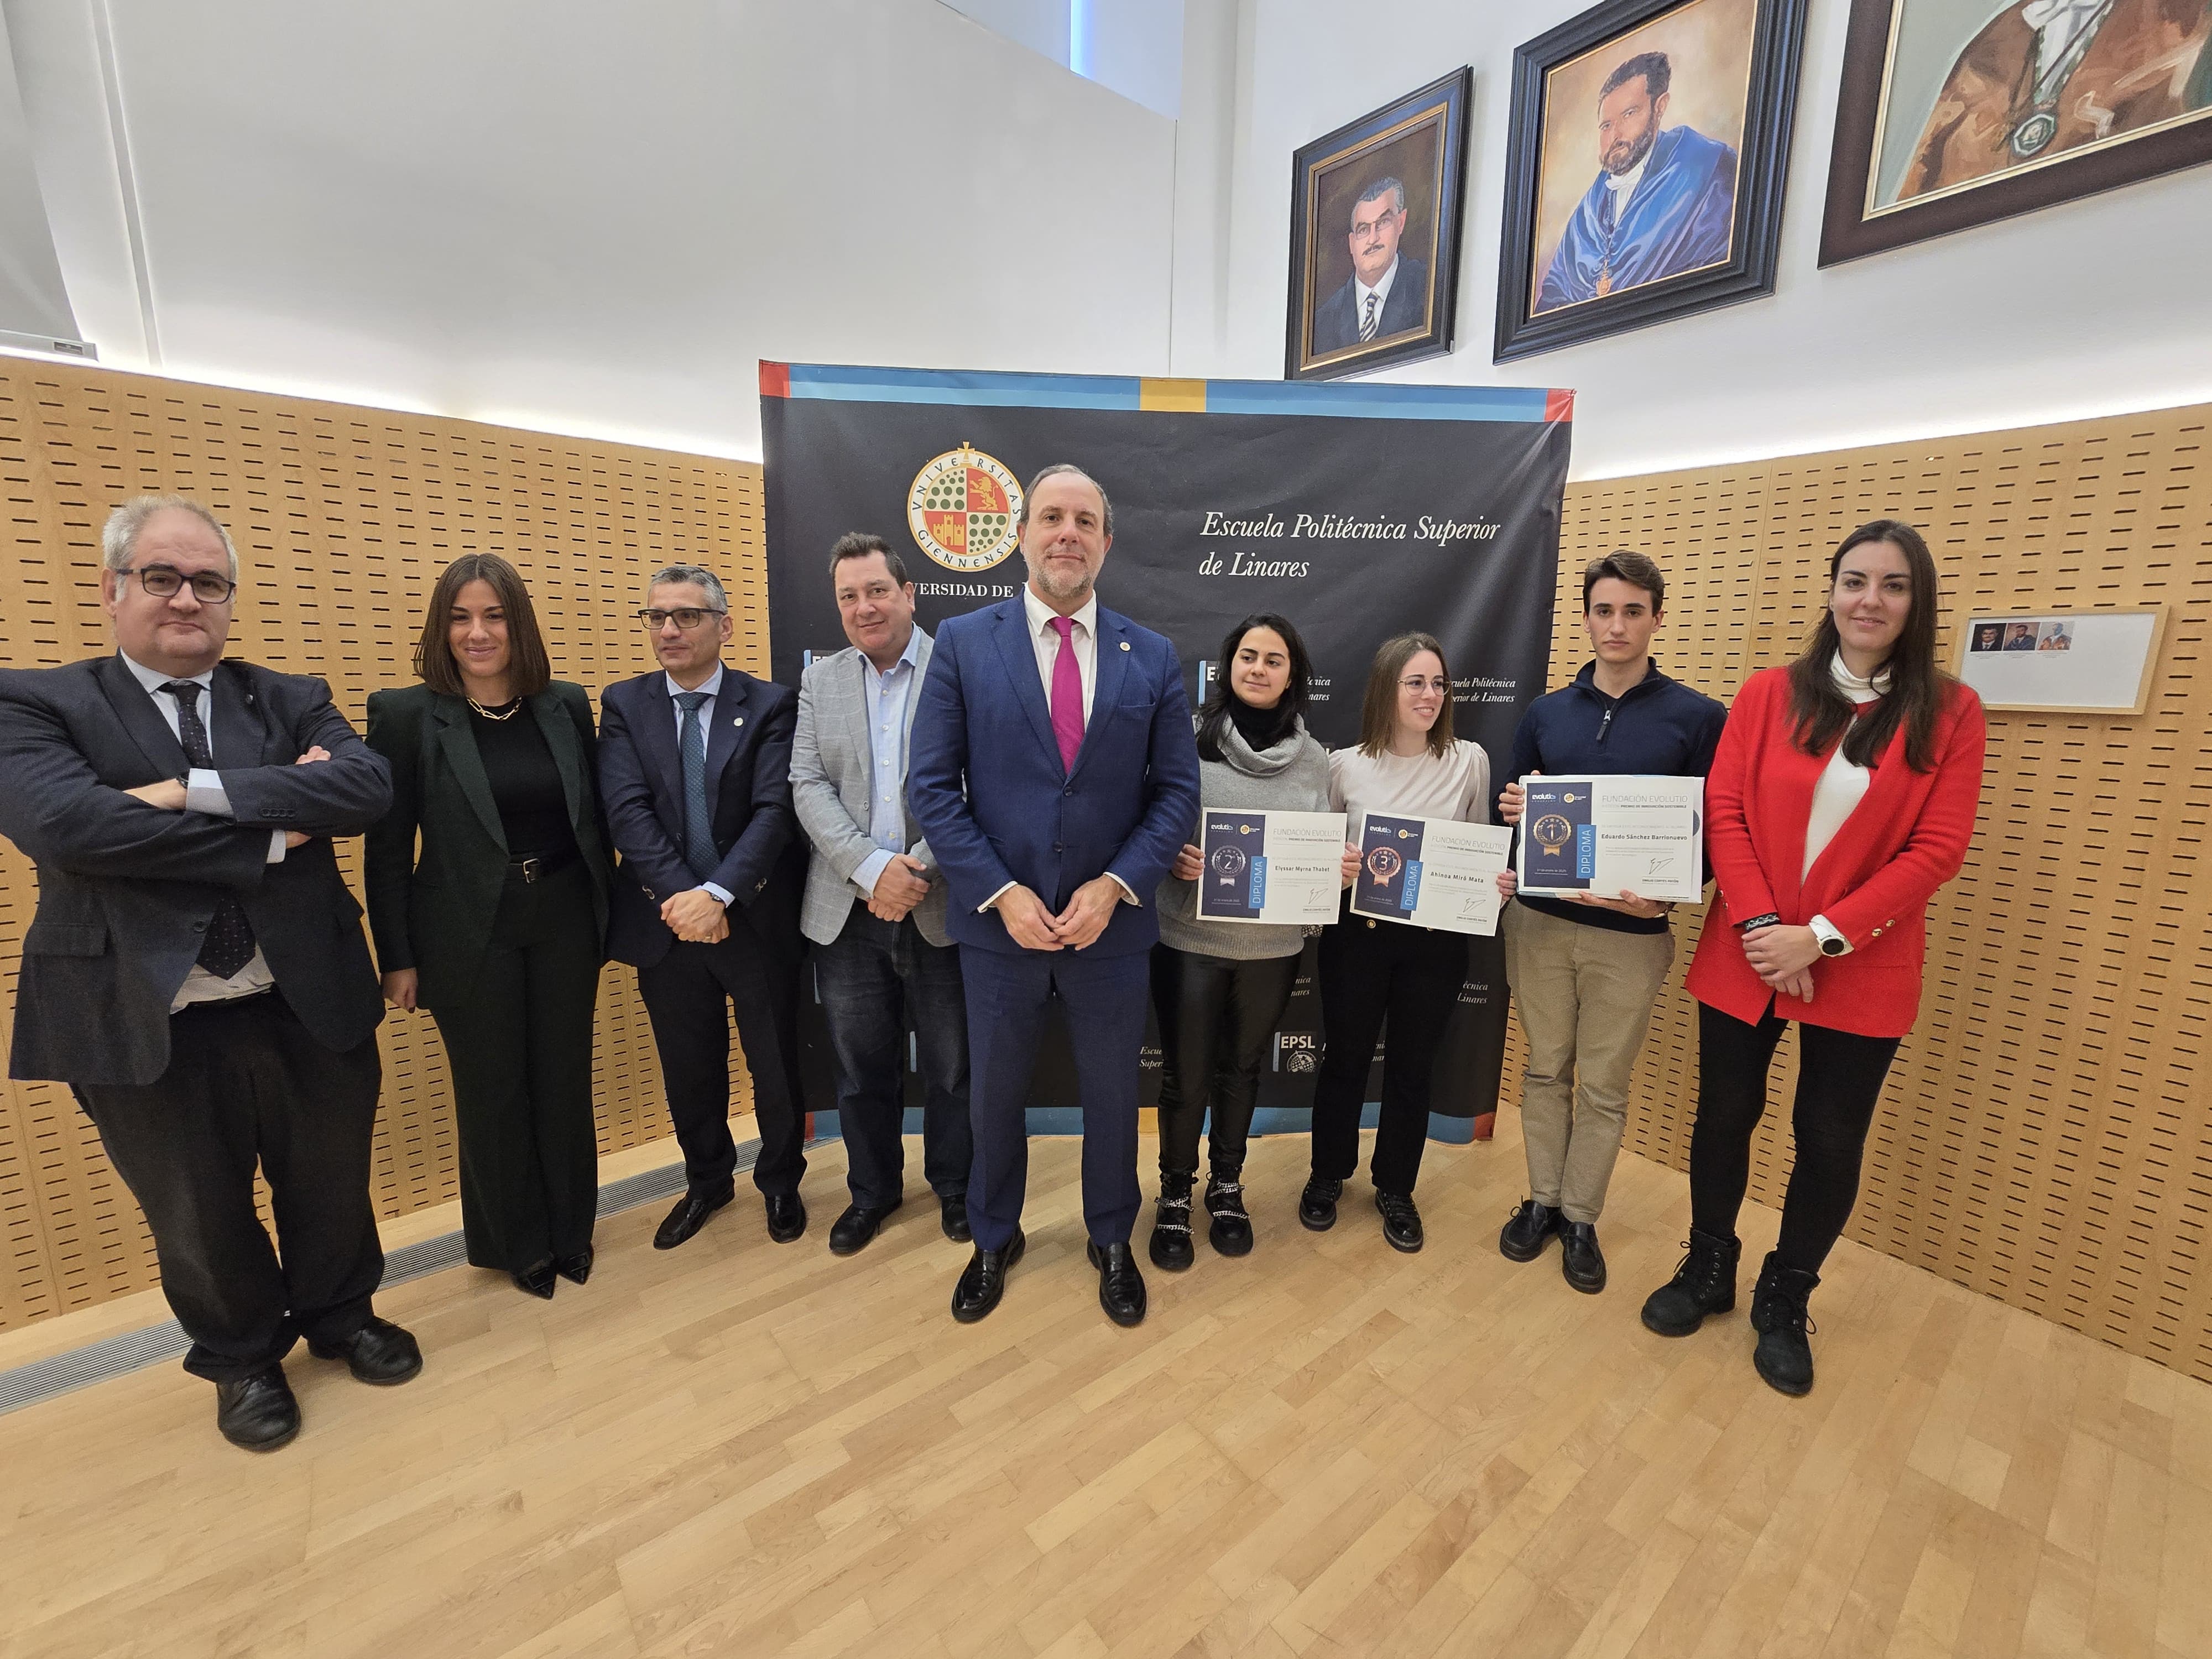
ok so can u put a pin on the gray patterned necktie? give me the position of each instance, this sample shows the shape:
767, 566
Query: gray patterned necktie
698, 821
1367, 323
229, 943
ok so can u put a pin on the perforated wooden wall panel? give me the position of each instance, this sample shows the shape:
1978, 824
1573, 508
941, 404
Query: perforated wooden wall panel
343, 517
2046, 1133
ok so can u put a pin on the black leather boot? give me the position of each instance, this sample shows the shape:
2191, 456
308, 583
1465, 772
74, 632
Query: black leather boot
1784, 1356
1703, 1283
1317, 1204
1231, 1233
1171, 1246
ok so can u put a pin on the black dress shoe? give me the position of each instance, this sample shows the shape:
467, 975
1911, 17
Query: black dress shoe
786, 1216
690, 1214
1120, 1287
1523, 1237
1401, 1222
850, 1233
578, 1267
379, 1353
1317, 1204
537, 1281
258, 1411
984, 1280
953, 1216
1580, 1259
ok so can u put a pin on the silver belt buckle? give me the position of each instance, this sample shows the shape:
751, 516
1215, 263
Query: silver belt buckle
528, 868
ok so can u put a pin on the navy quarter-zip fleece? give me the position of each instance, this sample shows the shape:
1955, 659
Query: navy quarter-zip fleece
1659, 728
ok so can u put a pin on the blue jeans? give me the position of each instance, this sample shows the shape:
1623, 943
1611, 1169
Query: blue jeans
876, 978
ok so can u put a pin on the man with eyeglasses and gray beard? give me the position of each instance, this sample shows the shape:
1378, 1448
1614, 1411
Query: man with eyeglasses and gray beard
196, 971
695, 771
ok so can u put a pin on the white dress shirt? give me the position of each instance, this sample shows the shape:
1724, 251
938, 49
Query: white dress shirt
1381, 291
887, 692
203, 792
711, 685
1084, 638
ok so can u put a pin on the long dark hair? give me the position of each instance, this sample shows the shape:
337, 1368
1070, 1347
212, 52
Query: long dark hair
1917, 688
1378, 713
1213, 716
528, 668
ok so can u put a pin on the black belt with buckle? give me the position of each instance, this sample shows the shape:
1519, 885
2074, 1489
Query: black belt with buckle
537, 866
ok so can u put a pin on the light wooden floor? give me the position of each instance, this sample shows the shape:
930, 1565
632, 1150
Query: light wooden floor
1324, 1449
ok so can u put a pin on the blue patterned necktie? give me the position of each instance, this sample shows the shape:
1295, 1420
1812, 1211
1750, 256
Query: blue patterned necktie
698, 822
229, 943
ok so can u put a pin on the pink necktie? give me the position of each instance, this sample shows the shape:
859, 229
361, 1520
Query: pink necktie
1066, 695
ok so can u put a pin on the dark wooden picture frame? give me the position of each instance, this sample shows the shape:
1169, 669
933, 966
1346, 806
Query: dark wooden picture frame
1855, 226
1418, 141
1762, 174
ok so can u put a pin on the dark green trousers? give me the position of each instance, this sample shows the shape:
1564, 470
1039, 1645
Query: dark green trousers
519, 1040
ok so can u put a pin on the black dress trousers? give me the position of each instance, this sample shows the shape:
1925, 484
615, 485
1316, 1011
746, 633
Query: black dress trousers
247, 1085
518, 1036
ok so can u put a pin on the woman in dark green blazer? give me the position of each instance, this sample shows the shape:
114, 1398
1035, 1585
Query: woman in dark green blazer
498, 924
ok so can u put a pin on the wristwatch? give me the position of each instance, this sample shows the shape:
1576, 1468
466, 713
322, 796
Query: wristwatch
1833, 942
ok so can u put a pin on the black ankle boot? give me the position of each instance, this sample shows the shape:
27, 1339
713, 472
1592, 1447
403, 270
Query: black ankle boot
1231, 1231
1171, 1247
1703, 1283
1784, 1356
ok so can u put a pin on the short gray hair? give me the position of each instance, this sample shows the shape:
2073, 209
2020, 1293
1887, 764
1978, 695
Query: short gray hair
698, 575
118, 538
1054, 470
1374, 194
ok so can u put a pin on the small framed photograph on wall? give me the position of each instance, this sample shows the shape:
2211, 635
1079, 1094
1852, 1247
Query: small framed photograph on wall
1374, 235
1648, 150
2067, 662
1956, 112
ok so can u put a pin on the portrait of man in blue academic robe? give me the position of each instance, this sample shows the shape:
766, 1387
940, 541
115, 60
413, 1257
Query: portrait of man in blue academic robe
1663, 201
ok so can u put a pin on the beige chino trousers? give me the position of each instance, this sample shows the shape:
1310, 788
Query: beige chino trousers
1584, 995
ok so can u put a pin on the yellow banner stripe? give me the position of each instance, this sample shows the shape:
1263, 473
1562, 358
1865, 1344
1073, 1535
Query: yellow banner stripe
1183, 397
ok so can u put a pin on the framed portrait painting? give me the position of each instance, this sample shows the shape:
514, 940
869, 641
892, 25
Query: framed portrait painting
1956, 112
1648, 152
1374, 235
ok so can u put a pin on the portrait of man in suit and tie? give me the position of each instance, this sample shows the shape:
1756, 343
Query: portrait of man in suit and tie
1388, 293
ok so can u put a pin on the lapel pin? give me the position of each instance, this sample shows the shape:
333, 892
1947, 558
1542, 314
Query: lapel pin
740, 721
1125, 645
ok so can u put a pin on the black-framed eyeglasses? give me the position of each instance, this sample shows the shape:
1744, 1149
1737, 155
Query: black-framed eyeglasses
163, 581
686, 617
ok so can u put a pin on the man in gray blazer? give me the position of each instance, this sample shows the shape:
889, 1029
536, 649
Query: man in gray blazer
875, 906
196, 971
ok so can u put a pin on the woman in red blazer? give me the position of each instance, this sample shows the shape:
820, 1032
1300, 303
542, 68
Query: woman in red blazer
1842, 797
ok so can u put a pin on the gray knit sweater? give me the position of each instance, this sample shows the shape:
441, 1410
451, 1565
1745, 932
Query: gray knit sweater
1292, 777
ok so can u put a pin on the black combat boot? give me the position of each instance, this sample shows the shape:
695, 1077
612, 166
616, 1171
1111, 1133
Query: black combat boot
1703, 1283
1171, 1247
1784, 1356
1231, 1231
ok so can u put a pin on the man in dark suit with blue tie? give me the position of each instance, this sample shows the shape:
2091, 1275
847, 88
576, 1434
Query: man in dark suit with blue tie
195, 972
695, 768
1053, 772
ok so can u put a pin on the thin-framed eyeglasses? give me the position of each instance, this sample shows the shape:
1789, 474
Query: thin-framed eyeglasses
686, 617
1415, 683
164, 580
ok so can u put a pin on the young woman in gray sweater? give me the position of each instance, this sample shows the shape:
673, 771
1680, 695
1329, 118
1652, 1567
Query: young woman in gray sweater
1219, 988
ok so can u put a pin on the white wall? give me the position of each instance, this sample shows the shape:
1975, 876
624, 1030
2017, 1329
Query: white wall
2101, 305
586, 217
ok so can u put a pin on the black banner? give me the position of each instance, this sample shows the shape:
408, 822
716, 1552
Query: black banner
1359, 510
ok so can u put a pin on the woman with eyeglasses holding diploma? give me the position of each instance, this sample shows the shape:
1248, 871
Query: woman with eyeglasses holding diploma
497, 925
1219, 988
1390, 979
1842, 797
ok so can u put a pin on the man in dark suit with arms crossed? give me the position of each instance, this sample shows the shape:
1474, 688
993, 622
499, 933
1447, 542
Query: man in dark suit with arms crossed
196, 971
694, 769
1054, 774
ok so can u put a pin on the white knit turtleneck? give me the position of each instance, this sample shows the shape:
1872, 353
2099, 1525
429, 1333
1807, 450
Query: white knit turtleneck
1842, 786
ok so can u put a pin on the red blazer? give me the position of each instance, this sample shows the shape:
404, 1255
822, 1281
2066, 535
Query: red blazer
1904, 840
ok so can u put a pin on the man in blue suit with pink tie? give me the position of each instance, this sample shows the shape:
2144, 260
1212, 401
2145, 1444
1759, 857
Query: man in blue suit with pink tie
1053, 772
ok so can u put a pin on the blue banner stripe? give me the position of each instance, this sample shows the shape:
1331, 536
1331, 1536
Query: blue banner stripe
1355, 400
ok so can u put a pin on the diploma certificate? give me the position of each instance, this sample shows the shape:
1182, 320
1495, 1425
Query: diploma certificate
1431, 872
1602, 836
1274, 867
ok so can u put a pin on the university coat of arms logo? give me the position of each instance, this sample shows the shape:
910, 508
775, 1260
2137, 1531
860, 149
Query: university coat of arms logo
964, 510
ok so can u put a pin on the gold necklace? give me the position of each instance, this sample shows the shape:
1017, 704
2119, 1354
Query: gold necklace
513, 707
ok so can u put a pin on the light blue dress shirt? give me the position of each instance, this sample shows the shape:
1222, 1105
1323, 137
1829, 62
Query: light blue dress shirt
888, 694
